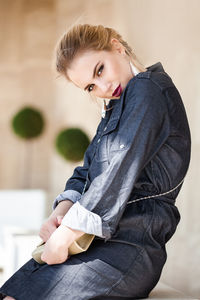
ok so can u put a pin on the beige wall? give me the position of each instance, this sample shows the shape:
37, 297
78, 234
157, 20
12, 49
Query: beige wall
158, 30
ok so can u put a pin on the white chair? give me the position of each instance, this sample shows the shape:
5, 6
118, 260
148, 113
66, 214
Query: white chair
19, 244
22, 213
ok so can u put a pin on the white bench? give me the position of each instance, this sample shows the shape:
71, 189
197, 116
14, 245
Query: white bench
19, 244
22, 213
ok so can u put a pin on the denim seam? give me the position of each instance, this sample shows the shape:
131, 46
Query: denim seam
167, 173
139, 253
75, 275
124, 275
150, 223
153, 173
110, 288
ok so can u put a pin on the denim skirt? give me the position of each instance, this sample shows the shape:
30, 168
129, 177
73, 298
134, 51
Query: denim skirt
128, 266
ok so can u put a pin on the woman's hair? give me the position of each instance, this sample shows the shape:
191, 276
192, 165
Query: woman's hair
88, 37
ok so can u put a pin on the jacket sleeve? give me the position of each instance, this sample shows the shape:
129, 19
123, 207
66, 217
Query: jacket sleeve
75, 184
143, 129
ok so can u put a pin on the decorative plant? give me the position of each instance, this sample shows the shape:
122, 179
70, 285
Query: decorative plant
28, 123
71, 144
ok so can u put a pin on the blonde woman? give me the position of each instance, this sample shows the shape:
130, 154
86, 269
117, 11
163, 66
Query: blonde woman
125, 192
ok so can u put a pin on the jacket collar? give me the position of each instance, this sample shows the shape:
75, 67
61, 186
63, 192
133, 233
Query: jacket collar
115, 113
158, 67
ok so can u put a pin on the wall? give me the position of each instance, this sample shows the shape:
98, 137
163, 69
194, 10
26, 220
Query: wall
158, 30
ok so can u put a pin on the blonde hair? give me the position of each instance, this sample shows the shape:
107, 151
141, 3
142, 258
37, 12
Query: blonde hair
88, 37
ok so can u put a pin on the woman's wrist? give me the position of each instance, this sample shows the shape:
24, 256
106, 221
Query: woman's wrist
62, 207
56, 248
70, 234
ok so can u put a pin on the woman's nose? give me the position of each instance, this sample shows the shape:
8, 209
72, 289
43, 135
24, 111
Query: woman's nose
105, 86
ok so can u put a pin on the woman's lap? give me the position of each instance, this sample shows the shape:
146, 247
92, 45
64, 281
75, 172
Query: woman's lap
104, 271
86, 276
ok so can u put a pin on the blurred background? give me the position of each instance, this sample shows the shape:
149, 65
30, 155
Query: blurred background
32, 173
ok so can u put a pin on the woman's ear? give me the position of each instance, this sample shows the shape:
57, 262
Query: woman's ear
116, 45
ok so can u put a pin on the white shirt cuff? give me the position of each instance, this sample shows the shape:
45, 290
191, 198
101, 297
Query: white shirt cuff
67, 195
79, 218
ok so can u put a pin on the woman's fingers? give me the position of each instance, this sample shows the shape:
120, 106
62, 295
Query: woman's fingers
47, 229
49, 226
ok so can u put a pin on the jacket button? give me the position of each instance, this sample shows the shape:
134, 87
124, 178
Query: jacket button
121, 146
98, 140
105, 128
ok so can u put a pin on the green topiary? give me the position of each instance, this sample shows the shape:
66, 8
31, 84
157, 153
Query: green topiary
28, 123
71, 143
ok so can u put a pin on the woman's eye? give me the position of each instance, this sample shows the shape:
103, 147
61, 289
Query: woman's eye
100, 70
90, 88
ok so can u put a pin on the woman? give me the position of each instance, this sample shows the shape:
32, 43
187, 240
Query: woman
125, 191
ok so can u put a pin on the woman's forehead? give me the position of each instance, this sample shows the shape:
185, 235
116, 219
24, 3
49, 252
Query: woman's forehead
88, 56
82, 68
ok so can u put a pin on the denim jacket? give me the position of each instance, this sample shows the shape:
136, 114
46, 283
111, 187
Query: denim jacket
141, 148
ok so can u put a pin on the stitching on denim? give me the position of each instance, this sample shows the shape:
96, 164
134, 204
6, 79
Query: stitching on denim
74, 277
149, 225
94, 270
139, 253
165, 169
124, 275
158, 195
153, 172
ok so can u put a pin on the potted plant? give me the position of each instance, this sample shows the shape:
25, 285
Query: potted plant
22, 210
71, 144
28, 124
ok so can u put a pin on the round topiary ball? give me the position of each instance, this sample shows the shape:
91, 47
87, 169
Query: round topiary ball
28, 123
71, 143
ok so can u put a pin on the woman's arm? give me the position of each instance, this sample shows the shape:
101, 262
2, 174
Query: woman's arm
55, 251
57, 237
56, 248
75, 184
54, 220
144, 128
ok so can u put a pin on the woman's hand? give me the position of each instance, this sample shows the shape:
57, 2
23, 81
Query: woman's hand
49, 226
56, 248
54, 220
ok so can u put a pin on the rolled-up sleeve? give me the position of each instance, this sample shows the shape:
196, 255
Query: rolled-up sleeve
80, 218
75, 184
144, 127
71, 195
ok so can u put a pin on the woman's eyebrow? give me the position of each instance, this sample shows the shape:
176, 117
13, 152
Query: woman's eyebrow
94, 72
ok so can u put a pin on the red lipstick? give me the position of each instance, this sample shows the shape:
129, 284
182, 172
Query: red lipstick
117, 92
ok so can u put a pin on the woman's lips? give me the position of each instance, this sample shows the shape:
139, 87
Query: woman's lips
118, 91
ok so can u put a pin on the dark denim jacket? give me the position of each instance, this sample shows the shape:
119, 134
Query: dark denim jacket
141, 148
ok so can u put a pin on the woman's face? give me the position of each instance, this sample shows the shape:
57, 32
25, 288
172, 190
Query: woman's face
101, 72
